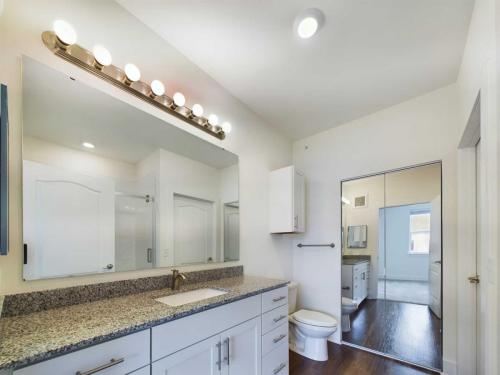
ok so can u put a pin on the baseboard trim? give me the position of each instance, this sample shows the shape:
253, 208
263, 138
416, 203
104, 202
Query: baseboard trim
391, 357
449, 367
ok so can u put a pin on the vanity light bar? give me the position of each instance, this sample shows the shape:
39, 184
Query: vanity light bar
129, 81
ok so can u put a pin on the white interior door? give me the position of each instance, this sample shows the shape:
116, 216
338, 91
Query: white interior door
479, 313
435, 258
194, 237
231, 232
68, 222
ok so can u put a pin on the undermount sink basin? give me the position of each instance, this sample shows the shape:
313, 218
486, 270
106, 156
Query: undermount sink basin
180, 299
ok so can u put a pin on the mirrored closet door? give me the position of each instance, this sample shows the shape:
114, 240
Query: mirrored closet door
391, 264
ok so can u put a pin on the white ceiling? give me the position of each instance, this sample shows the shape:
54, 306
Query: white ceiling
66, 112
369, 54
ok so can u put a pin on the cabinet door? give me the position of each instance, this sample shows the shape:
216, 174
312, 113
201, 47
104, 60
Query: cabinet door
201, 358
241, 349
299, 194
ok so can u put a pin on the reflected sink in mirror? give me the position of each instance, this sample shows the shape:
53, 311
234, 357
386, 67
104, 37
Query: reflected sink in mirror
180, 299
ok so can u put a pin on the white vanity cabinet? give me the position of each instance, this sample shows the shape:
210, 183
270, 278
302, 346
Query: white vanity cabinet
287, 201
225, 340
355, 281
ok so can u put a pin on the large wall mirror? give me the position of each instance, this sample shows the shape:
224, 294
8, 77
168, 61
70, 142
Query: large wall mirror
109, 188
392, 288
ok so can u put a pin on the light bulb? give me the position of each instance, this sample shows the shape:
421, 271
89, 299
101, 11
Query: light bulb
197, 110
102, 56
88, 145
213, 120
307, 27
179, 99
226, 127
132, 73
158, 88
64, 32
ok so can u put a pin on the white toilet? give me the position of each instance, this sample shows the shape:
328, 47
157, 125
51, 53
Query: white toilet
348, 307
308, 330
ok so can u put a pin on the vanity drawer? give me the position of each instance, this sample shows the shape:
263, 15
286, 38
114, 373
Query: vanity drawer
276, 362
274, 339
274, 318
132, 349
143, 371
274, 298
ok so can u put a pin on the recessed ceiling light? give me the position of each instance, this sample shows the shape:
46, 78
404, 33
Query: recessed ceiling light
88, 145
308, 22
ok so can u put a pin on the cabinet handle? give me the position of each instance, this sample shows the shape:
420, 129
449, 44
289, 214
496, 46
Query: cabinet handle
280, 298
281, 317
296, 221
149, 255
226, 342
279, 368
112, 362
346, 288
363, 276
219, 356
279, 338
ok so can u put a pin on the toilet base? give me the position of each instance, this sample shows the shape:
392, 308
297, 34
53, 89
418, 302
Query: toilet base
346, 323
312, 348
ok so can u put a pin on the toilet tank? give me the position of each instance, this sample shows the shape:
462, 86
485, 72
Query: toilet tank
292, 296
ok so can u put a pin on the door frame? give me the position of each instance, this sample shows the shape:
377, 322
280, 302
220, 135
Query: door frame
482, 123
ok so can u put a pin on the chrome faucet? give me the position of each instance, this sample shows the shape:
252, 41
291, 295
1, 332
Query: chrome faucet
176, 279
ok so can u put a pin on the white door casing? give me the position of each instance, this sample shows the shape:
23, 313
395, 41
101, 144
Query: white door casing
194, 230
435, 258
68, 222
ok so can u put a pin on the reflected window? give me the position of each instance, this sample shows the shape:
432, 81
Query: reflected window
420, 232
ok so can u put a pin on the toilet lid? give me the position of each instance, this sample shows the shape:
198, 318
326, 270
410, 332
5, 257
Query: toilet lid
315, 318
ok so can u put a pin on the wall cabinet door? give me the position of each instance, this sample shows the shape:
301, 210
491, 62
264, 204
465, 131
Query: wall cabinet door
287, 201
201, 358
241, 348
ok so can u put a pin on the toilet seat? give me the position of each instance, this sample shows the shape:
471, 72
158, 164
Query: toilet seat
314, 318
349, 302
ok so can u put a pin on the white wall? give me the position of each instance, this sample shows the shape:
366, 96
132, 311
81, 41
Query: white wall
259, 148
417, 131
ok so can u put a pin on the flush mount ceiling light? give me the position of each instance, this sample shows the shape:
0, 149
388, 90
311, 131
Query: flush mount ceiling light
62, 42
88, 145
308, 22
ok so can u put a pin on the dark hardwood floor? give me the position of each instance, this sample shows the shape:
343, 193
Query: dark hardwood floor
344, 360
404, 330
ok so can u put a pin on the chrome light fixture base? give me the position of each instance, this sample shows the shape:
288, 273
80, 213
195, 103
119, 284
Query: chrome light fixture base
85, 60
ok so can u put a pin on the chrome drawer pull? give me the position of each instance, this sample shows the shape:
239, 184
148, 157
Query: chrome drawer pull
112, 362
279, 338
281, 317
281, 298
278, 369
219, 356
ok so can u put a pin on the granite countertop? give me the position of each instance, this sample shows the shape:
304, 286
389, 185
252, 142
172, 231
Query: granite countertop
31, 338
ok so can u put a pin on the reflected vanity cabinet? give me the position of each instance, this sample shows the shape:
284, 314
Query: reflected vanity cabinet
287, 201
355, 281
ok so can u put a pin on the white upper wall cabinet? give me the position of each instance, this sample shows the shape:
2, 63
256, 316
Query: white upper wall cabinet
287, 201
